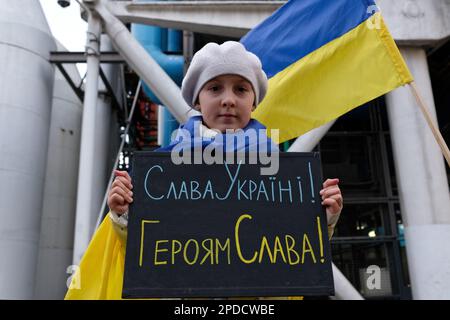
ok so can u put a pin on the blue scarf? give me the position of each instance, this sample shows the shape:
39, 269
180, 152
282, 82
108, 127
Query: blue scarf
189, 136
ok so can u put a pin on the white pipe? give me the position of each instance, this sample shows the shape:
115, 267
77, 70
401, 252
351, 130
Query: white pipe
344, 290
87, 149
103, 134
307, 141
144, 65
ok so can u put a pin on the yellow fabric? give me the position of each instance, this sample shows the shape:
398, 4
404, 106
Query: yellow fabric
100, 274
349, 71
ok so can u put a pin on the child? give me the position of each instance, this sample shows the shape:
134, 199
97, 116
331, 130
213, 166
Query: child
225, 83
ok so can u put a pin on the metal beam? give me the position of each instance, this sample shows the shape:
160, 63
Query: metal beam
415, 22
226, 18
80, 57
58, 58
76, 89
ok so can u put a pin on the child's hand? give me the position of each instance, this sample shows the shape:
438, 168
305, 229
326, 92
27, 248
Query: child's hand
120, 195
332, 200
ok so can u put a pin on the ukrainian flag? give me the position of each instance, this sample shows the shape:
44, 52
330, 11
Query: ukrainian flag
323, 58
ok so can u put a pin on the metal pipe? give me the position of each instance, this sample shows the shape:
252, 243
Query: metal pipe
87, 149
307, 141
102, 132
344, 290
157, 42
188, 49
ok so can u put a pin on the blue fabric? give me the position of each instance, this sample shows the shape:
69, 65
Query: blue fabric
228, 142
302, 26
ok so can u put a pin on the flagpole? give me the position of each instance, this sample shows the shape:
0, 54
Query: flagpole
437, 134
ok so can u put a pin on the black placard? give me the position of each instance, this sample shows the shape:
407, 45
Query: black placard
225, 230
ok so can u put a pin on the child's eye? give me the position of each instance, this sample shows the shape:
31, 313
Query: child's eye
214, 88
242, 89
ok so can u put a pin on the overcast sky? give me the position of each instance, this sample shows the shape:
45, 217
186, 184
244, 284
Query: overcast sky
67, 26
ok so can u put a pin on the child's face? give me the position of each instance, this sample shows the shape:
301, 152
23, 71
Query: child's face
226, 102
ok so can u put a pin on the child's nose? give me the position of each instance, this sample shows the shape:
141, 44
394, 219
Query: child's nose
228, 99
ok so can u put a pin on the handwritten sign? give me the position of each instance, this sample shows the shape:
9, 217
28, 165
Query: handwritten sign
224, 230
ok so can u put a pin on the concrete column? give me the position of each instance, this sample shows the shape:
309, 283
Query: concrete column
423, 186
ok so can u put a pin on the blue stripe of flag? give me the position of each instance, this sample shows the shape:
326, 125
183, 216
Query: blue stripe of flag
302, 26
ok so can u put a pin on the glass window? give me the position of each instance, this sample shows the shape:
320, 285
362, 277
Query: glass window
353, 159
361, 220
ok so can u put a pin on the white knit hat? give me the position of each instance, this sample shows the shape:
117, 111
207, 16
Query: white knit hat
214, 60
